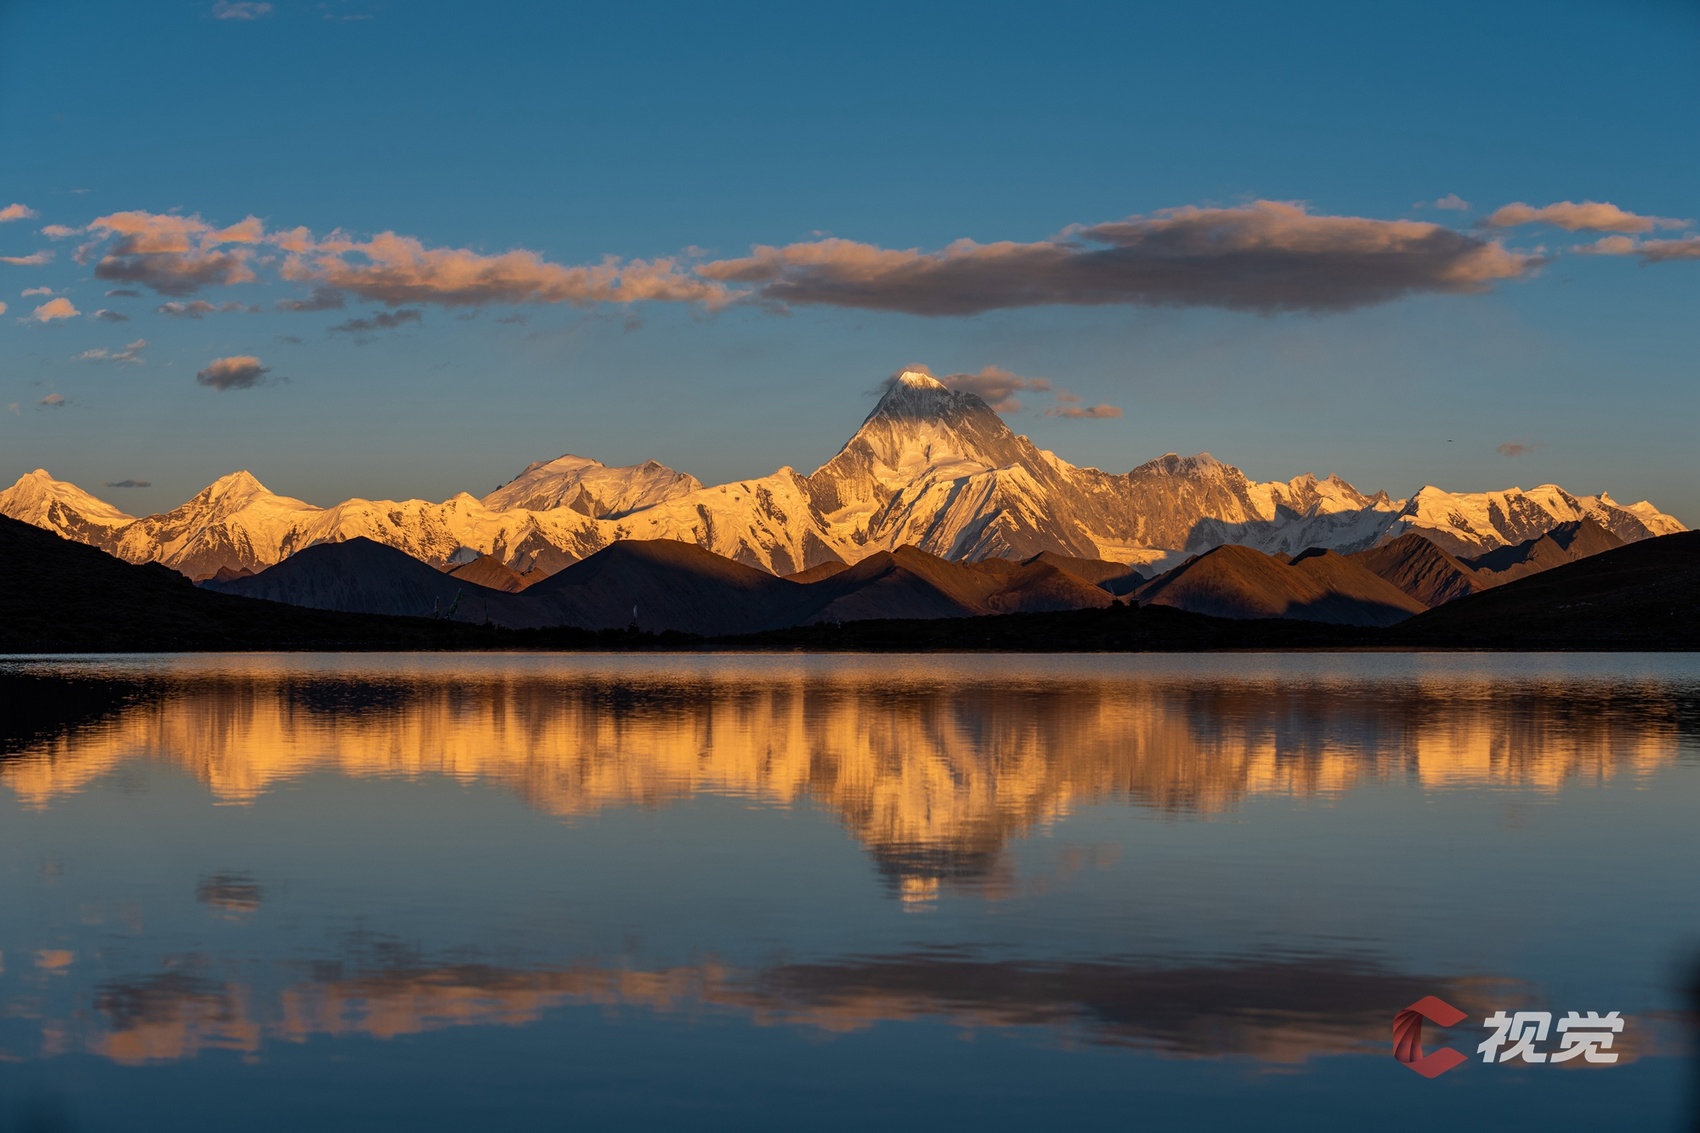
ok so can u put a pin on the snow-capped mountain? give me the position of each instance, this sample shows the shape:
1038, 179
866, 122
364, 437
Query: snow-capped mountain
929, 467
62, 508
590, 487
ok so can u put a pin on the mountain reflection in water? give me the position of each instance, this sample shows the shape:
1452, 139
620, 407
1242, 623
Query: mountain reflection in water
933, 773
742, 892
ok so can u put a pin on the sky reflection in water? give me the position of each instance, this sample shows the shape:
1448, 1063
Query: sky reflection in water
758, 891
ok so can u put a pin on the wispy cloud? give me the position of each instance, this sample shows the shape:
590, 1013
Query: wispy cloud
1599, 216
105, 316
363, 329
1084, 412
197, 308
1267, 256
59, 308
398, 270
16, 212
1515, 448
34, 259
999, 388
1451, 201
52, 401
996, 386
131, 354
129, 483
28, 291
239, 371
125, 292
240, 10
1650, 251
319, 299
59, 231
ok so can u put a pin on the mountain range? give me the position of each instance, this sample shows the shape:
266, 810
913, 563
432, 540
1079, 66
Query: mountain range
931, 468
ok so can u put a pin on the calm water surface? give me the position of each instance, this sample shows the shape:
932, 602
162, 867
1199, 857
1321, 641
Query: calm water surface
545, 892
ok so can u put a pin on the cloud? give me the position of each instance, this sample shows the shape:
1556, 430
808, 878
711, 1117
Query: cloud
1267, 256
11, 406
59, 231
129, 483
2, 308
16, 212
1450, 201
398, 270
1514, 448
59, 308
1084, 412
174, 255
1650, 251
127, 292
319, 299
34, 259
240, 371
1601, 216
131, 354
105, 316
361, 329
240, 10
52, 401
195, 308
28, 291
994, 385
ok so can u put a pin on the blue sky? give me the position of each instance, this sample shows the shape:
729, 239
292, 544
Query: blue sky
692, 134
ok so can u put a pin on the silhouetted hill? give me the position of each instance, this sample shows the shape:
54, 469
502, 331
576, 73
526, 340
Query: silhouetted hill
59, 596
1421, 569
1566, 543
1239, 582
910, 583
490, 572
361, 576
673, 586
1643, 595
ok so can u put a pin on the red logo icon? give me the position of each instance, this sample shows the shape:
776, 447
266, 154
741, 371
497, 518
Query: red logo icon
1408, 1036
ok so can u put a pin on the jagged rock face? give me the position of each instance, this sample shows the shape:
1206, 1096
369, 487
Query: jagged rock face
930, 467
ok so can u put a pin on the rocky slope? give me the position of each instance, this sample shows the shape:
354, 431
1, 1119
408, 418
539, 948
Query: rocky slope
930, 467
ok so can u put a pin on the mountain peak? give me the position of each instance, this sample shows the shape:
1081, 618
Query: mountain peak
239, 483
918, 379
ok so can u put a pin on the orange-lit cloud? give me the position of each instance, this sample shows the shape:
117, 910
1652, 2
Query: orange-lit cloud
16, 212
45, 256
59, 231
52, 401
1650, 251
1266, 256
1515, 448
239, 371
174, 255
1600, 216
397, 270
1084, 412
59, 308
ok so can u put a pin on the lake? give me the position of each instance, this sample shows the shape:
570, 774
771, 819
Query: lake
435, 892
